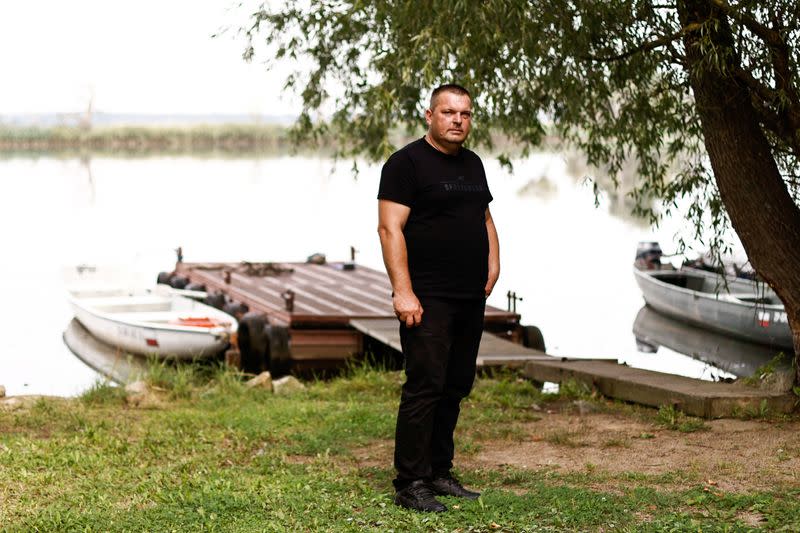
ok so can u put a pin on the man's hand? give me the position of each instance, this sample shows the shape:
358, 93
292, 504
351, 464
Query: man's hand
490, 284
407, 308
494, 254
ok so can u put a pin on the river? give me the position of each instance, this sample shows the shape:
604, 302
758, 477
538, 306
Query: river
569, 260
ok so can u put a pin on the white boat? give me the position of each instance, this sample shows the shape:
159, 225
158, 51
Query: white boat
158, 322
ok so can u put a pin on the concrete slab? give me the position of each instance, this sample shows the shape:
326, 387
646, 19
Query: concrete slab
692, 396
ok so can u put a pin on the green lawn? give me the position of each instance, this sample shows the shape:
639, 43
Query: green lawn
221, 457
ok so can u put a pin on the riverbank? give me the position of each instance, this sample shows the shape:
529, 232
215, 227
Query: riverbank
138, 141
212, 454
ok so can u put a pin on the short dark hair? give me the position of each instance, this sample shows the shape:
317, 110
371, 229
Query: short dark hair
448, 87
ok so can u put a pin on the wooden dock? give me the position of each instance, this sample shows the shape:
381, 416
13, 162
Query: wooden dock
312, 306
330, 294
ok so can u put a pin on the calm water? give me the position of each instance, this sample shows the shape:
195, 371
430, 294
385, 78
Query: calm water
571, 262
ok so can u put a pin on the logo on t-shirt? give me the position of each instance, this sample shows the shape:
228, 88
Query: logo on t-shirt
460, 186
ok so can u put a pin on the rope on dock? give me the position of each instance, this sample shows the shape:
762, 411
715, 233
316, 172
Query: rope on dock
250, 269
263, 269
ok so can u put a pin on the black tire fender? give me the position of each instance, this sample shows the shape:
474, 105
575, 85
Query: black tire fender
236, 309
279, 358
216, 300
253, 342
532, 338
179, 282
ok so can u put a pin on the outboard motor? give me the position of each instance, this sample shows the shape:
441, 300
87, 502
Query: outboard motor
648, 255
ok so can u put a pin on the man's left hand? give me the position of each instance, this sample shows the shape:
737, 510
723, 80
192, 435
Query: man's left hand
489, 287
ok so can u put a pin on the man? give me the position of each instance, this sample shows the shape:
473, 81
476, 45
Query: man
441, 251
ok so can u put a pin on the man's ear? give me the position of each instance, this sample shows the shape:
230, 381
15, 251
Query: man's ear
428, 114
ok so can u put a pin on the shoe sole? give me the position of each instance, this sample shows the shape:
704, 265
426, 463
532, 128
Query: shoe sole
473, 496
458, 496
402, 502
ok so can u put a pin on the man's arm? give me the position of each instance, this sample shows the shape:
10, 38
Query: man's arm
494, 254
392, 219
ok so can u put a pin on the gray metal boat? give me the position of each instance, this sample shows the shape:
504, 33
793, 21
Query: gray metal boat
742, 308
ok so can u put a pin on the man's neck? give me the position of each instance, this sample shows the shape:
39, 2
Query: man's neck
451, 149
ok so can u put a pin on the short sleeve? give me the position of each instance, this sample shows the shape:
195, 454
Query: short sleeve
489, 196
397, 180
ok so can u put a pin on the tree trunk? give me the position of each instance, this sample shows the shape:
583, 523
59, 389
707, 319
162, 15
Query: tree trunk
755, 196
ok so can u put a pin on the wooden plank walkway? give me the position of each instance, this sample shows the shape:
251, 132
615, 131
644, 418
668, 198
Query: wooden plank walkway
493, 350
696, 397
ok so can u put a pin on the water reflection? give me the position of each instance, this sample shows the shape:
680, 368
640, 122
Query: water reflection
739, 358
542, 188
110, 362
86, 163
616, 188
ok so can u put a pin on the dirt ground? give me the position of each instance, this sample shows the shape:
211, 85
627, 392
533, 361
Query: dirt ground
729, 455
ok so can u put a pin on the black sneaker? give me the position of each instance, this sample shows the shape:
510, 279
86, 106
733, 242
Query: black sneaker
418, 496
450, 486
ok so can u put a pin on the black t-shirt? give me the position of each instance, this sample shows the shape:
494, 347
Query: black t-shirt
446, 239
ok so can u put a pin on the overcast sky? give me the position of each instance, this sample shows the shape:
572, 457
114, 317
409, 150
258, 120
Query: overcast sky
149, 56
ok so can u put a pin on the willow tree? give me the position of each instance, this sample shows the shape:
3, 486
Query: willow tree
701, 94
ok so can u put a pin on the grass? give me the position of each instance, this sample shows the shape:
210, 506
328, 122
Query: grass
616, 443
565, 438
671, 418
222, 457
781, 360
103, 392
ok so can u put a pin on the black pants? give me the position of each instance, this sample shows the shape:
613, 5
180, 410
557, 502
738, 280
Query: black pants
440, 359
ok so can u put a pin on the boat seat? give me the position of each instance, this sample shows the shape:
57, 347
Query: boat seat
747, 297
738, 295
123, 304
159, 317
103, 301
134, 308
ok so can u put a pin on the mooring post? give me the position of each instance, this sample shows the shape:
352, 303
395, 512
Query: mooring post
288, 299
512, 301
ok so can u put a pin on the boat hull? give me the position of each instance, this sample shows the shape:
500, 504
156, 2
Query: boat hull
718, 311
143, 340
149, 323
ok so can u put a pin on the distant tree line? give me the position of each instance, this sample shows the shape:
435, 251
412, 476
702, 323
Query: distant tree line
144, 140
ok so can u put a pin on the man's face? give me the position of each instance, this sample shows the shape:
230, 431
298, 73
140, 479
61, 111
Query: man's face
450, 120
